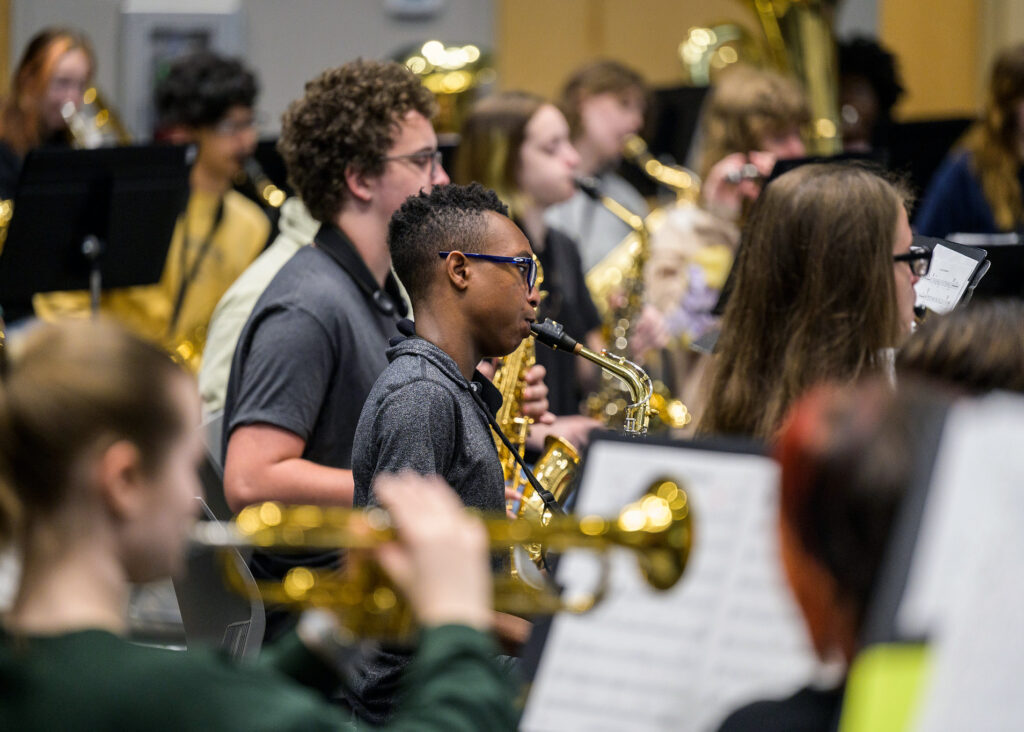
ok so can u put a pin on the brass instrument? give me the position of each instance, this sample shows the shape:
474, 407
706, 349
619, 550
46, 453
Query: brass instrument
797, 39
637, 413
658, 527
557, 466
456, 74
93, 123
681, 180
6, 214
618, 292
252, 173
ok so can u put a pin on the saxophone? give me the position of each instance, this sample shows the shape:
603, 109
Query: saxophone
621, 301
557, 467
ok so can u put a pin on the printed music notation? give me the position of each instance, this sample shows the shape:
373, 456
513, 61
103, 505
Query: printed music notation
964, 590
728, 633
947, 280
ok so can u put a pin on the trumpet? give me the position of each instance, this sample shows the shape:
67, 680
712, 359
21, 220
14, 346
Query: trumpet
658, 527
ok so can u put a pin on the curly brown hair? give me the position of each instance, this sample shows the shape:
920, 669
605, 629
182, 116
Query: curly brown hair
348, 116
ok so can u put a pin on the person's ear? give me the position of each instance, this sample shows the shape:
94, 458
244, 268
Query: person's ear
120, 479
457, 267
360, 185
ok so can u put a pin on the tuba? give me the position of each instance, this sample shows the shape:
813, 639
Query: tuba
658, 528
796, 39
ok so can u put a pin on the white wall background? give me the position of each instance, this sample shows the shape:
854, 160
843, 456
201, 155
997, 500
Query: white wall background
288, 41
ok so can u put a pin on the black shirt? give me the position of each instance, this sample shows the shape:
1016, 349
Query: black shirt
568, 302
808, 710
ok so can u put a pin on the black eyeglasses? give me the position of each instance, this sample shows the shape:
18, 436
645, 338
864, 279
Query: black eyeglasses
421, 159
526, 265
919, 260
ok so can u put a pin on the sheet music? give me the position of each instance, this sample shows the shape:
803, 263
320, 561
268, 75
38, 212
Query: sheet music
726, 634
979, 458
947, 279
965, 588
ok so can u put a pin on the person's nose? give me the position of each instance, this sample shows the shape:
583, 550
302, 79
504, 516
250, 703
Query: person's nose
440, 177
533, 296
572, 158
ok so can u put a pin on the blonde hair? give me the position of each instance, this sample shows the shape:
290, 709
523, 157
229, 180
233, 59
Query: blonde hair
992, 141
69, 387
746, 106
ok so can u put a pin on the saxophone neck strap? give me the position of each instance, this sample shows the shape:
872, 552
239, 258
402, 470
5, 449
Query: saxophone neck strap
545, 495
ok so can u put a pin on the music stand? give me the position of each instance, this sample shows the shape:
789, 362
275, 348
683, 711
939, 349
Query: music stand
93, 219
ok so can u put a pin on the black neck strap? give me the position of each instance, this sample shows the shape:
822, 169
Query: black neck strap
544, 493
187, 278
387, 300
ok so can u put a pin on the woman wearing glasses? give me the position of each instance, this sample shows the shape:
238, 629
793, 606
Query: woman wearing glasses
98, 450
824, 290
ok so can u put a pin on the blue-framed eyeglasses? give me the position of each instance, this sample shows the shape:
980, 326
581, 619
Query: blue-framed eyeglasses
918, 258
526, 265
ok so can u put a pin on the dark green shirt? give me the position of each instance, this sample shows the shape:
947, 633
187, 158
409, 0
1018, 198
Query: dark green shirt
94, 680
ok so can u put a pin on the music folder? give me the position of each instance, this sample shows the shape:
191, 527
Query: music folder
955, 272
125, 199
726, 634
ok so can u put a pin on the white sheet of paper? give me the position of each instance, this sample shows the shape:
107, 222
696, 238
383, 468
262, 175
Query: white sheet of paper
726, 634
965, 590
947, 279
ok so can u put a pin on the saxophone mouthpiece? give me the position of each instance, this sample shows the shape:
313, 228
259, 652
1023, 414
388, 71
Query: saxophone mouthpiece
589, 186
553, 335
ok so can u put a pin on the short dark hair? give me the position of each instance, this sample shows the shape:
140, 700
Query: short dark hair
348, 117
449, 217
200, 88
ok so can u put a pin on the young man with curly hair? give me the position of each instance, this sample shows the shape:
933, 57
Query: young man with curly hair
470, 274
356, 146
207, 100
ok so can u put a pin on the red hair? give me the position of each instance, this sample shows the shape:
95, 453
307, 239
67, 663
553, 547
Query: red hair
20, 125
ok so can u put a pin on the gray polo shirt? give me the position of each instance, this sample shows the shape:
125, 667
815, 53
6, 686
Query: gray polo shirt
305, 361
421, 415
308, 356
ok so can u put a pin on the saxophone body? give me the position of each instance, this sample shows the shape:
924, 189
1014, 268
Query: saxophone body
558, 465
616, 285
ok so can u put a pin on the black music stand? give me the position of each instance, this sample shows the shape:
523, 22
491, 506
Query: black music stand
93, 219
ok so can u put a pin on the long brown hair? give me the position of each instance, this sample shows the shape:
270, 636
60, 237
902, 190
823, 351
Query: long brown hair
992, 141
20, 126
745, 106
70, 387
814, 295
492, 136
